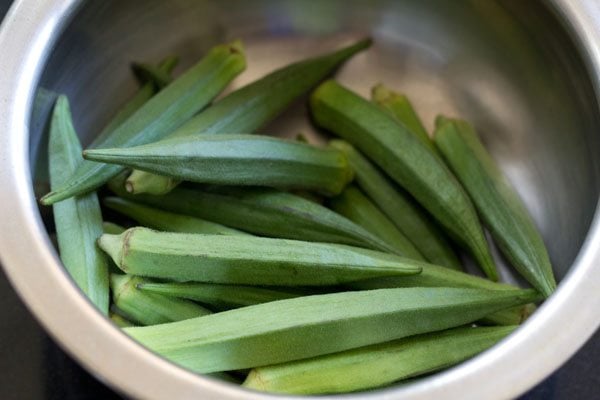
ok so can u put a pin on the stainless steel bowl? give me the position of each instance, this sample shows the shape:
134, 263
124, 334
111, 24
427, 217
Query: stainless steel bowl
527, 73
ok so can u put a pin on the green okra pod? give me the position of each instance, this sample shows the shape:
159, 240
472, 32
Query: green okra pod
376, 365
304, 327
406, 160
160, 115
251, 107
149, 73
265, 212
500, 207
237, 159
400, 107
400, 208
355, 206
150, 308
144, 94
219, 296
166, 221
436, 276
247, 260
112, 228
119, 320
79, 220
302, 138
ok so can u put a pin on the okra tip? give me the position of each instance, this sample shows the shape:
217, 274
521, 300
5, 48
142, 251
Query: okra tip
530, 296
255, 381
129, 186
547, 286
169, 62
341, 145
440, 121
57, 195
114, 245
236, 46
140, 182
48, 199
488, 266
380, 93
118, 284
62, 104
321, 90
362, 44
100, 154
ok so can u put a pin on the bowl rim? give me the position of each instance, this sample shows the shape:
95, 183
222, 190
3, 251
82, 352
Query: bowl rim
541, 345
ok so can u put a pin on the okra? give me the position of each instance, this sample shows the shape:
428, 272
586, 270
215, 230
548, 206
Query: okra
151, 73
376, 365
144, 94
239, 159
218, 296
264, 212
120, 321
400, 107
355, 206
79, 220
500, 207
251, 107
302, 138
400, 208
304, 327
247, 260
436, 276
149, 308
406, 160
163, 113
166, 221
112, 228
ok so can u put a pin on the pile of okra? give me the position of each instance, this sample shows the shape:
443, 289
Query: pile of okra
279, 264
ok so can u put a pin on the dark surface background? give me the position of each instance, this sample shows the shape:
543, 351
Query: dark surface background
33, 367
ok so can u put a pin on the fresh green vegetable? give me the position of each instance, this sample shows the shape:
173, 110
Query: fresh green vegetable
400, 107
247, 260
436, 276
251, 107
159, 76
120, 321
377, 365
239, 159
112, 228
264, 212
144, 94
78, 221
499, 206
321, 300
304, 327
355, 206
302, 138
407, 160
219, 296
150, 308
160, 115
164, 220
401, 209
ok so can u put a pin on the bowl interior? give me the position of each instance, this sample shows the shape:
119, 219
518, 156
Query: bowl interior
509, 67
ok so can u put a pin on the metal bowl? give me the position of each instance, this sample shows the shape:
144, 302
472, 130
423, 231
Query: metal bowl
527, 73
